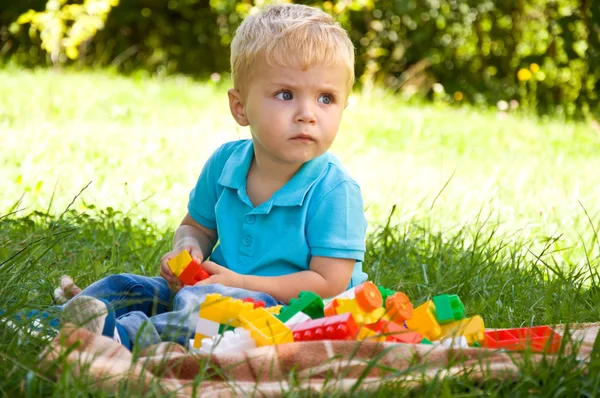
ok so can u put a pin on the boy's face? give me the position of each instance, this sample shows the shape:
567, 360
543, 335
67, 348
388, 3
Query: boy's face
294, 114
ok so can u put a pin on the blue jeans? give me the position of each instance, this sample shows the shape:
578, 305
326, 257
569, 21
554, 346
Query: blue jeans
150, 312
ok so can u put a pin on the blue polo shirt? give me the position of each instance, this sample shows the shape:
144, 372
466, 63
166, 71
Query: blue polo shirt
318, 212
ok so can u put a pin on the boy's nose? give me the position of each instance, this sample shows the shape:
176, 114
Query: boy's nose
305, 113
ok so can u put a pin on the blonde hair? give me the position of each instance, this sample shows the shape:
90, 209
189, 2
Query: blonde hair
289, 34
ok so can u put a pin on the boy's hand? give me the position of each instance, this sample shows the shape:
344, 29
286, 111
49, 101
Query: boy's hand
222, 275
165, 271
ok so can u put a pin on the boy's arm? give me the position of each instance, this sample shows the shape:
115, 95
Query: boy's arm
327, 277
191, 233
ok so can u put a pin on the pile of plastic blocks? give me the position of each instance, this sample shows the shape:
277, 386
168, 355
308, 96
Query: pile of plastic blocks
366, 312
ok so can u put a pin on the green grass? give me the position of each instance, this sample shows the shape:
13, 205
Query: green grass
500, 210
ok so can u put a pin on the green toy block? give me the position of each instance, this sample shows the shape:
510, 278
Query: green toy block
425, 341
223, 328
307, 302
477, 344
448, 308
385, 293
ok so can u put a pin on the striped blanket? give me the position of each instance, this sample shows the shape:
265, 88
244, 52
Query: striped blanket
320, 366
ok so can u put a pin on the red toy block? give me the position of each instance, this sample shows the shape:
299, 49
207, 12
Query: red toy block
256, 303
339, 327
193, 273
538, 339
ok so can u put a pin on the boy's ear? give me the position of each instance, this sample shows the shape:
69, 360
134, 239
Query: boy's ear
236, 106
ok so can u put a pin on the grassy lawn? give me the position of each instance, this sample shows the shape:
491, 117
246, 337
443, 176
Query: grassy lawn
502, 210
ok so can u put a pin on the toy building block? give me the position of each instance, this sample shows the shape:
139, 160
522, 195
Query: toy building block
265, 328
224, 310
472, 328
307, 302
237, 340
398, 307
275, 310
331, 307
426, 342
205, 328
338, 327
368, 297
364, 333
393, 332
297, 318
186, 269
385, 293
360, 317
537, 339
256, 303
448, 308
424, 322
454, 342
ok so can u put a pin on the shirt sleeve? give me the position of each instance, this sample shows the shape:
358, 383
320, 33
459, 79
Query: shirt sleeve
337, 226
203, 196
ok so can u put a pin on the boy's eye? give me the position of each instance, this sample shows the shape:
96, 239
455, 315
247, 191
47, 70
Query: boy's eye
284, 95
326, 99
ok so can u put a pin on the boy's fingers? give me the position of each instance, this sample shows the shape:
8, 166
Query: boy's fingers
207, 281
196, 254
211, 267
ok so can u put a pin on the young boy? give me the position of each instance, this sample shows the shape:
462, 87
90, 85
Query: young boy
277, 214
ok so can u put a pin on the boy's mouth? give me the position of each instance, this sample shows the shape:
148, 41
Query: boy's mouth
303, 137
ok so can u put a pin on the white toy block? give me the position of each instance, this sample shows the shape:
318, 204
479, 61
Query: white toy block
454, 342
299, 317
231, 341
207, 327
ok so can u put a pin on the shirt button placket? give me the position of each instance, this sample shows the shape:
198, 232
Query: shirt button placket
247, 248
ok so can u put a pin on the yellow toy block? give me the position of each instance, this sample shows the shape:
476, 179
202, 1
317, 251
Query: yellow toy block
265, 328
224, 310
180, 262
361, 317
369, 334
274, 309
424, 321
471, 328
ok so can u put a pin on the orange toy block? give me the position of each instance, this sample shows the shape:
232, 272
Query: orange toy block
330, 308
472, 329
368, 297
424, 321
399, 308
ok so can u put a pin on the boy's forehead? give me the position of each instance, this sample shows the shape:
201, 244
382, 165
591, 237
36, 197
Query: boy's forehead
334, 71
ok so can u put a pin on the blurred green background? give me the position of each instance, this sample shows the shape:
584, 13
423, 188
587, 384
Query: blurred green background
540, 55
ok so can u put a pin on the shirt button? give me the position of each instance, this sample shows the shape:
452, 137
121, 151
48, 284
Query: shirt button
247, 240
250, 219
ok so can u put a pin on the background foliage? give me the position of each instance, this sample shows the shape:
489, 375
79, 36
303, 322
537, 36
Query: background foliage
545, 54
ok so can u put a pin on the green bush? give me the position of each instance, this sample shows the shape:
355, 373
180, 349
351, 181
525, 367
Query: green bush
545, 54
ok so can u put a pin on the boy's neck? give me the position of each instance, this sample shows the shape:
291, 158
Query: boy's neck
265, 177
274, 172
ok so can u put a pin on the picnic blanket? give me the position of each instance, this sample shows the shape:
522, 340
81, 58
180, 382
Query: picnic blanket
318, 366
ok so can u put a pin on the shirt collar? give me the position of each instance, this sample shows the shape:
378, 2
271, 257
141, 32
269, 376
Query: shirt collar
292, 193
